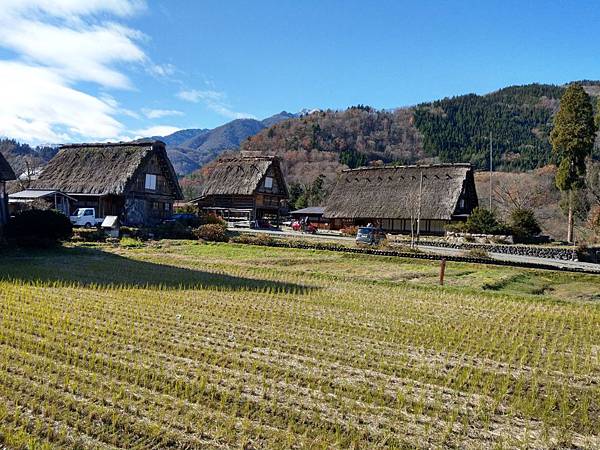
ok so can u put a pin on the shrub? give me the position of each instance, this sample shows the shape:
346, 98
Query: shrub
406, 249
88, 235
211, 232
476, 253
458, 227
254, 239
485, 221
211, 219
129, 242
173, 230
523, 223
383, 244
39, 228
186, 209
349, 231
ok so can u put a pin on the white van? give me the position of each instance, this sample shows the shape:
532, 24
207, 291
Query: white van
85, 217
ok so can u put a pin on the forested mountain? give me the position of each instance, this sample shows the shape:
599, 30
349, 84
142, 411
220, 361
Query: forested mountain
181, 136
192, 148
450, 130
519, 118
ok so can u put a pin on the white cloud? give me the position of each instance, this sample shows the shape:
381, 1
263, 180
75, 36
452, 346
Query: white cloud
38, 106
161, 70
58, 44
73, 9
157, 130
77, 53
194, 95
214, 100
159, 113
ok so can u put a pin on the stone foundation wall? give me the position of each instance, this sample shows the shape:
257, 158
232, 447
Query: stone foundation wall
522, 250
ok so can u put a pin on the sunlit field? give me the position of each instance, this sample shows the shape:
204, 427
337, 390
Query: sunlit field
188, 345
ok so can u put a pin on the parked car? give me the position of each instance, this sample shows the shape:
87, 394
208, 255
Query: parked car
191, 220
262, 224
85, 217
370, 235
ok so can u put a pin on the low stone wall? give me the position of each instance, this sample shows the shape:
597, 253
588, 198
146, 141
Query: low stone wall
465, 238
416, 255
565, 254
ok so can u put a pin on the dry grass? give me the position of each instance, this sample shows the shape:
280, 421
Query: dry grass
189, 346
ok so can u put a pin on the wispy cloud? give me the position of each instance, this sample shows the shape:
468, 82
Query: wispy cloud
159, 113
215, 101
38, 106
161, 70
57, 45
77, 47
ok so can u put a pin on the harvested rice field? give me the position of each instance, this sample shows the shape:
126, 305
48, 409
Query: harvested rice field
187, 345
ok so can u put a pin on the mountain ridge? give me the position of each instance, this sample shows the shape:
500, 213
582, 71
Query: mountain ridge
190, 149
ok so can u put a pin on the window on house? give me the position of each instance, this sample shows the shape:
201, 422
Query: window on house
155, 205
150, 182
268, 182
167, 207
461, 203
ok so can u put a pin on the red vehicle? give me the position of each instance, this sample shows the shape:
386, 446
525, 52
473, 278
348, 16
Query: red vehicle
304, 227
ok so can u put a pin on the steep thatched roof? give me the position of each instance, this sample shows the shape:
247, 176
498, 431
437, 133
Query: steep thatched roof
393, 191
101, 169
6, 172
238, 176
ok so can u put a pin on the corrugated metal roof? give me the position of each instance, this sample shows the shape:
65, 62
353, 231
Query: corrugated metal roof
29, 194
311, 210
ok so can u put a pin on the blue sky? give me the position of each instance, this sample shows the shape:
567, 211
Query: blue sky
75, 70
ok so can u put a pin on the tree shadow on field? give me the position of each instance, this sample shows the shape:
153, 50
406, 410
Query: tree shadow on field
93, 267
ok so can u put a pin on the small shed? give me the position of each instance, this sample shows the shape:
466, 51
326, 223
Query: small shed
55, 199
313, 213
111, 226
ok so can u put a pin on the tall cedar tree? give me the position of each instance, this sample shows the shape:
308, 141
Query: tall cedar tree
572, 141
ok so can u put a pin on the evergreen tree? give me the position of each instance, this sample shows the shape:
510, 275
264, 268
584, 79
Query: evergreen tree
572, 140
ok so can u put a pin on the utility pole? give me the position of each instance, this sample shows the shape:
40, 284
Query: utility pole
491, 169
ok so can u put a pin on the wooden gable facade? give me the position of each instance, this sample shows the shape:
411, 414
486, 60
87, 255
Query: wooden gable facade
134, 181
246, 185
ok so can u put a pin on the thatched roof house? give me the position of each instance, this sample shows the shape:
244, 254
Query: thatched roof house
393, 196
135, 181
6, 174
250, 186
